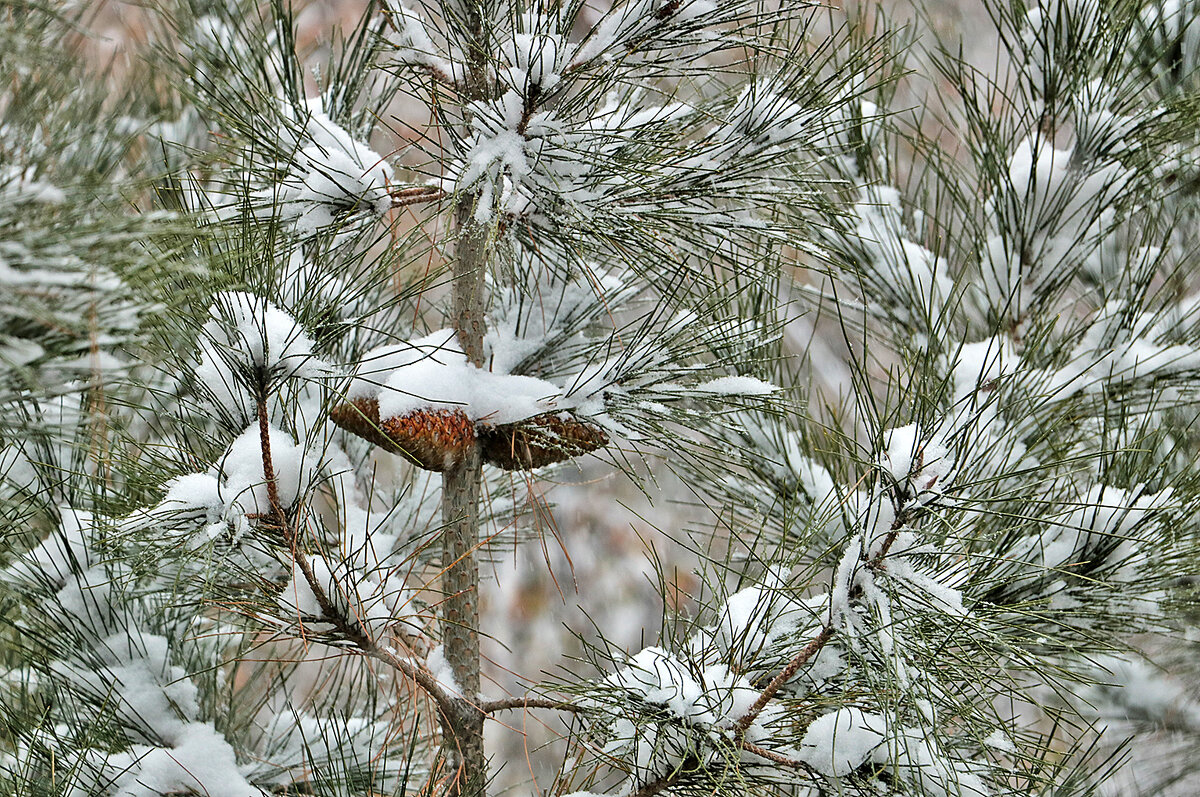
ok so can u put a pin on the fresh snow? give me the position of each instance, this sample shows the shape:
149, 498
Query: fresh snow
979, 365
246, 331
916, 278
1104, 523
736, 386
630, 21
918, 462
706, 703
839, 742
534, 58
330, 174
243, 487
22, 185
441, 671
1115, 350
412, 45
202, 762
432, 373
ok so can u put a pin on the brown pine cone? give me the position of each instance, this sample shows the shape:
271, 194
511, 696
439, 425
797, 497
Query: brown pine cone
541, 440
431, 439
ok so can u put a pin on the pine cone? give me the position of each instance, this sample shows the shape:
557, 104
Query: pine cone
541, 440
431, 439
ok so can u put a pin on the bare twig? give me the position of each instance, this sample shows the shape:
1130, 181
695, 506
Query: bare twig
771, 755
402, 197
784, 675
507, 703
264, 442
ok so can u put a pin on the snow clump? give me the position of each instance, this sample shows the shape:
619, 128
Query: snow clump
247, 333
331, 174
433, 373
839, 742
702, 706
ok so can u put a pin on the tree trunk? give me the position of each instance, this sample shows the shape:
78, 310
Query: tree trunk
463, 740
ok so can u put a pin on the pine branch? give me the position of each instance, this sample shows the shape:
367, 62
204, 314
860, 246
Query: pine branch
789, 671
786, 674
509, 703
448, 706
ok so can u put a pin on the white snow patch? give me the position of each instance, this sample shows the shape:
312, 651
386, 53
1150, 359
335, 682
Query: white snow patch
442, 672
736, 386
247, 331
201, 762
919, 462
412, 44
979, 365
194, 490
331, 175
432, 373
837, 743
22, 185
243, 485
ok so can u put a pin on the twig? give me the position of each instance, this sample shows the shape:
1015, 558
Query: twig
771, 755
785, 675
264, 442
814, 647
507, 703
402, 197
655, 786
329, 612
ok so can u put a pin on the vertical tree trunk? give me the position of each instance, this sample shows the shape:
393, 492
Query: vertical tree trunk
463, 746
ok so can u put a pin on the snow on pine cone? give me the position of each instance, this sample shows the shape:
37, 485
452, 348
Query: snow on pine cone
423, 400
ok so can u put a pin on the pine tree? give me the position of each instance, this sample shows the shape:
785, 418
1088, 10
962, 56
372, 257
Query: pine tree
334, 353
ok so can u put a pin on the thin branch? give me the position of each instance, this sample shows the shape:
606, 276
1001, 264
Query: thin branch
655, 786
771, 755
507, 703
402, 197
785, 675
814, 647
350, 630
264, 442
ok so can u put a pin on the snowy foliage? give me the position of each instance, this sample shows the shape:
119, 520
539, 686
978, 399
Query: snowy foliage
330, 175
945, 547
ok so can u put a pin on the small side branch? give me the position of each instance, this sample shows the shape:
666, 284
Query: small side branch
402, 197
509, 703
786, 674
351, 631
774, 757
